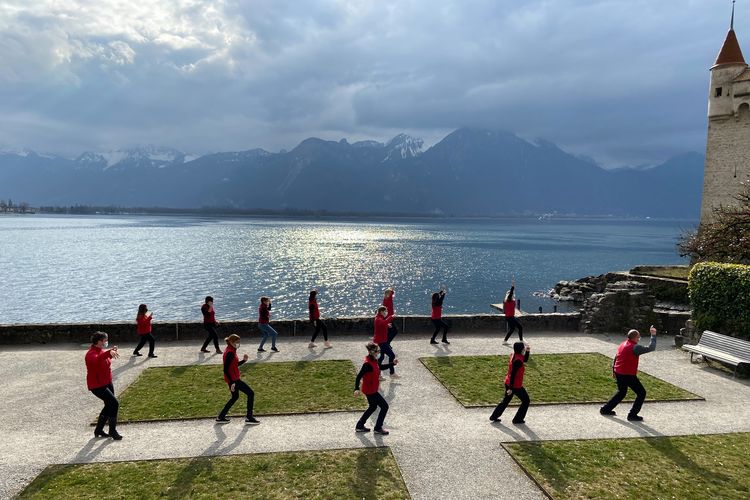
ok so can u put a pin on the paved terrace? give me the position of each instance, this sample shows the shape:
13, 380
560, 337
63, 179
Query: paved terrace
443, 449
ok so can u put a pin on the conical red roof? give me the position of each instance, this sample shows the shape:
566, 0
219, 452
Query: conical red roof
730, 52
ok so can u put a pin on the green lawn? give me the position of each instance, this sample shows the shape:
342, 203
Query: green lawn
359, 473
674, 272
199, 391
550, 378
713, 466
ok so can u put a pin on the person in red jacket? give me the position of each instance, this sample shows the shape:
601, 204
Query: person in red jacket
210, 324
625, 372
514, 384
382, 323
143, 329
437, 317
317, 323
369, 376
388, 303
232, 378
264, 323
99, 381
509, 309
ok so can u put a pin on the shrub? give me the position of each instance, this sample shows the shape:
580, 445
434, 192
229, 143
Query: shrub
720, 296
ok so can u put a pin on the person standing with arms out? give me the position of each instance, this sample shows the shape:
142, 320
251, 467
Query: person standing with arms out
232, 378
514, 384
264, 320
382, 322
625, 372
210, 324
99, 381
143, 329
509, 309
317, 323
388, 303
437, 317
369, 375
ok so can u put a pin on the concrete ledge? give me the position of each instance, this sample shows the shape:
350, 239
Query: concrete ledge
170, 331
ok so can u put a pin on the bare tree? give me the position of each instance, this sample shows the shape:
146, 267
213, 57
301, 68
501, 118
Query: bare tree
23, 207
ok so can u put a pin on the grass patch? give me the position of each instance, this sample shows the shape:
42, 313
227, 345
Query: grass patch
359, 473
712, 466
550, 378
199, 391
674, 272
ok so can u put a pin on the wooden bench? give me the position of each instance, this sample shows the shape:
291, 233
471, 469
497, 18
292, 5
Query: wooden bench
722, 348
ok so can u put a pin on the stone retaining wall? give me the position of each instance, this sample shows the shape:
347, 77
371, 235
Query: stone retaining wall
170, 331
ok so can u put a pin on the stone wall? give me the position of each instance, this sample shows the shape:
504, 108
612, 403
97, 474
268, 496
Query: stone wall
663, 289
125, 332
621, 306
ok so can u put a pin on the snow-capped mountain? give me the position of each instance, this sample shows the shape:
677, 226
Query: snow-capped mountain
403, 146
144, 157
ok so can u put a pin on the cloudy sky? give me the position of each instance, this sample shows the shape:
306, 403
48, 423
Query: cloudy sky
622, 81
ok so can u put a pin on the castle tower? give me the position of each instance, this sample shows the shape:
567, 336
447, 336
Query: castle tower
728, 144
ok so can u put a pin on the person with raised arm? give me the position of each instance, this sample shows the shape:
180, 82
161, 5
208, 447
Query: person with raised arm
382, 323
509, 310
514, 384
99, 381
210, 324
625, 373
388, 294
317, 323
369, 376
264, 323
232, 378
437, 317
143, 329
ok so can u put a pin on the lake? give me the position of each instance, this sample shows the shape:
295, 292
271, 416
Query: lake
80, 269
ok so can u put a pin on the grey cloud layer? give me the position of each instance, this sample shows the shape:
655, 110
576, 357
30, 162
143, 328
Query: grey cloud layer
622, 81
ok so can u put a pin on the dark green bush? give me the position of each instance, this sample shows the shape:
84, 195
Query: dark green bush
720, 296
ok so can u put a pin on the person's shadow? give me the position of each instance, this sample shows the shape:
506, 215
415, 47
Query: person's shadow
91, 450
130, 363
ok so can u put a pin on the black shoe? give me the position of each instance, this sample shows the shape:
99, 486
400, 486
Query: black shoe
433, 341
519, 422
493, 418
100, 434
218, 351
381, 431
252, 421
445, 341
274, 349
361, 429
137, 354
607, 412
635, 418
153, 356
222, 420
260, 349
115, 435
205, 350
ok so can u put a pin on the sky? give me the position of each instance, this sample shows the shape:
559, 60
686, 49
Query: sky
624, 82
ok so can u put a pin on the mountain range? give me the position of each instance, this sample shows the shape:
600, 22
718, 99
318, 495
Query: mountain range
469, 172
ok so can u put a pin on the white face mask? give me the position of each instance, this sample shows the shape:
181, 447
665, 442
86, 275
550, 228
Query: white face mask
106, 344
237, 345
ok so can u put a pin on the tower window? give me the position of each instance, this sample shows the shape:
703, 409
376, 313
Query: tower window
718, 91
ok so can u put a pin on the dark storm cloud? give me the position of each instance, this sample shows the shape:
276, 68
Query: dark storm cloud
621, 81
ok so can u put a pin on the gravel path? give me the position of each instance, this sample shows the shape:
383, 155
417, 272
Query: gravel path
443, 449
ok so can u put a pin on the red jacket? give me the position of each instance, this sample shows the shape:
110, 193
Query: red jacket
234, 365
381, 328
388, 303
518, 379
98, 367
143, 324
313, 308
371, 380
626, 362
509, 308
437, 312
264, 313
209, 315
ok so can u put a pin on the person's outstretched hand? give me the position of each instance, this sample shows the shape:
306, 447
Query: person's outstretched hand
652, 330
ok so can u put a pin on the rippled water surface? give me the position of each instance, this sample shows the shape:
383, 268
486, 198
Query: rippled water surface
83, 269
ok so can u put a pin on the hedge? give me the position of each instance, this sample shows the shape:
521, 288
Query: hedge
720, 297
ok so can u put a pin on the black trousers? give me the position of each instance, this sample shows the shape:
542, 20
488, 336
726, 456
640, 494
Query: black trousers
513, 323
385, 348
319, 325
623, 383
111, 405
439, 323
374, 400
392, 332
521, 413
239, 386
212, 335
142, 342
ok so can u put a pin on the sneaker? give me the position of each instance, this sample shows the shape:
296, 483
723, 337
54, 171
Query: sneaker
519, 422
252, 421
505, 342
635, 418
607, 412
153, 356
445, 341
204, 350
328, 345
395, 375
433, 341
361, 429
311, 345
137, 354
274, 349
260, 349
382, 432
222, 420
